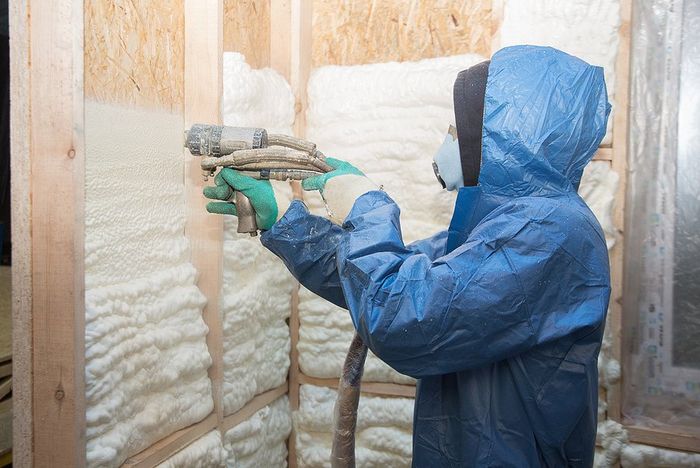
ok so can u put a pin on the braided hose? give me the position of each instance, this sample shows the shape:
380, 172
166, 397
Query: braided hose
345, 410
290, 158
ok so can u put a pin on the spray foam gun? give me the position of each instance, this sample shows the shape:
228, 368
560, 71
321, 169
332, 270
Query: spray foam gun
257, 154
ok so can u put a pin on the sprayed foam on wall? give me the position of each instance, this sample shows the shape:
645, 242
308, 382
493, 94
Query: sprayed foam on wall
262, 439
587, 29
146, 358
383, 436
325, 333
205, 452
256, 287
598, 187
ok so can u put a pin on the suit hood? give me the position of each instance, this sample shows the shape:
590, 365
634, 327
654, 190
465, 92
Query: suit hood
545, 113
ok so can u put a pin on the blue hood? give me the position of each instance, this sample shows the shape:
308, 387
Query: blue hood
545, 113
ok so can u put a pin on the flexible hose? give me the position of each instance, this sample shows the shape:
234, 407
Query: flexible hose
345, 410
289, 158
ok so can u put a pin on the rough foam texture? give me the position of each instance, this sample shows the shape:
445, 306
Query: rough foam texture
598, 188
587, 29
324, 337
636, 455
262, 439
256, 287
610, 440
145, 340
388, 119
256, 97
383, 436
205, 452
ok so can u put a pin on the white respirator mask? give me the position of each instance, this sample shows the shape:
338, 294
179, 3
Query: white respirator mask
447, 164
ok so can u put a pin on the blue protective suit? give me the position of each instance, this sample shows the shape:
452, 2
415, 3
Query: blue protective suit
500, 318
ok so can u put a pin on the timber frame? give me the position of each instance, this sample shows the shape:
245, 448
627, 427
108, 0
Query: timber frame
48, 157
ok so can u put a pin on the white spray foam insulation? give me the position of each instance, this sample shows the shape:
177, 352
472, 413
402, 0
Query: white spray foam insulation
261, 441
388, 119
325, 333
587, 29
598, 188
645, 456
383, 436
256, 97
256, 287
205, 452
146, 358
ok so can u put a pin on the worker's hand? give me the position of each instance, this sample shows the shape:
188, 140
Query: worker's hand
269, 206
340, 188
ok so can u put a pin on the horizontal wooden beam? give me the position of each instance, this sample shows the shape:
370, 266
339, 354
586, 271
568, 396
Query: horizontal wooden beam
371, 388
5, 370
603, 154
5, 387
165, 448
253, 406
170, 445
663, 439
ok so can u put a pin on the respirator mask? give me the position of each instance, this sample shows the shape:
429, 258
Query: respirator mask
447, 164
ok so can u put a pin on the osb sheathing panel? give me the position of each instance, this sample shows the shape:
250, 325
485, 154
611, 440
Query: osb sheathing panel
349, 32
134, 52
247, 30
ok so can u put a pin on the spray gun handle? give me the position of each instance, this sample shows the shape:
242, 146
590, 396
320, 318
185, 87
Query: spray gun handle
246, 215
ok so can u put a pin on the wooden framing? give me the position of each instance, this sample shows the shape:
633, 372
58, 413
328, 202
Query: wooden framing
663, 439
22, 422
48, 279
48, 145
619, 165
203, 89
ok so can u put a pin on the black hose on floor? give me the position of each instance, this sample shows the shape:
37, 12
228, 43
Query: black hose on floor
345, 411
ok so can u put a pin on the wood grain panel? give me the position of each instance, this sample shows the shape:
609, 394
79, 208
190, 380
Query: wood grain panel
134, 52
349, 32
247, 30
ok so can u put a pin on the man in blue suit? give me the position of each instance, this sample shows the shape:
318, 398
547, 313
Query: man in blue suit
501, 316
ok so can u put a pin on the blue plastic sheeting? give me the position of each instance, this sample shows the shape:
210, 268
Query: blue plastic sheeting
500, 317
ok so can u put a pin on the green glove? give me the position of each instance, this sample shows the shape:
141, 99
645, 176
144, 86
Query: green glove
340, 188
341, 168
268, 205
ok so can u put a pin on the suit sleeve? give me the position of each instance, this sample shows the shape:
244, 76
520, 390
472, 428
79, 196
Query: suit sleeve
494, 297
307, 245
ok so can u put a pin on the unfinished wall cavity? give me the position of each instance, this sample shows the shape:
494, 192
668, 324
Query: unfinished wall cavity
146, 354
351, 32
383, 436
587, 29
256, 287
207, 451
260, 441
